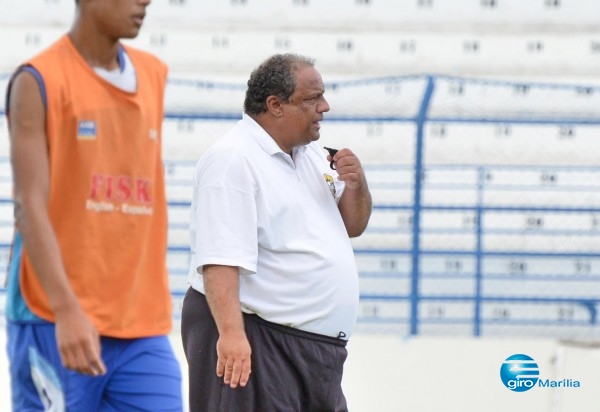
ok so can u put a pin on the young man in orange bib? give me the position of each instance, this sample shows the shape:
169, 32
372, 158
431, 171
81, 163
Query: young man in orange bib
88, 302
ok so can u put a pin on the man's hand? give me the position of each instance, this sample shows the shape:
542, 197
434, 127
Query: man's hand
234, 363
349, 169
355, 204
79, 343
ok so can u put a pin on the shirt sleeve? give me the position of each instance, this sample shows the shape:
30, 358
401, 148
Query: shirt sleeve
225, 216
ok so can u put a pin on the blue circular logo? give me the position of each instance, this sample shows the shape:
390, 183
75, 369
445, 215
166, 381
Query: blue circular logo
519, 373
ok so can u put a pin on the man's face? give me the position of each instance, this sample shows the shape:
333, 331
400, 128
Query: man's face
305, 108
119, 18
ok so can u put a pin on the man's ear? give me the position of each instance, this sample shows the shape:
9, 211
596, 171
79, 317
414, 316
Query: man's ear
274, 106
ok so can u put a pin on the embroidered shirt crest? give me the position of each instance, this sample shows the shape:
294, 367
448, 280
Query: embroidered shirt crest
330, 183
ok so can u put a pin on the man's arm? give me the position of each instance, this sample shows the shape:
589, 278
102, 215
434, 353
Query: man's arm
77, 339
221, 285
356, 204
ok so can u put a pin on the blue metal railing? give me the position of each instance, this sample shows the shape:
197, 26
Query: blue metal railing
458, 266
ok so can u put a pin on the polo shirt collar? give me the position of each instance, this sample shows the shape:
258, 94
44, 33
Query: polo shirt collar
264, 139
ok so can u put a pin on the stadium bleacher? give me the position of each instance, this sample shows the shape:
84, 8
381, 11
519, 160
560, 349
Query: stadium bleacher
484, 187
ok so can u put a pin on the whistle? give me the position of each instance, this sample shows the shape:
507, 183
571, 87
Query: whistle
332, 153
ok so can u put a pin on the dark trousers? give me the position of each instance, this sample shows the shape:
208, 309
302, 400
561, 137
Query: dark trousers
292, 370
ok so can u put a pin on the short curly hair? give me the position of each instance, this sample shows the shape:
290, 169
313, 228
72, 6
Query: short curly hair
274, 77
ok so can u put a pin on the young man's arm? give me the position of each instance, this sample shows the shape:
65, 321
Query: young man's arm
77, 339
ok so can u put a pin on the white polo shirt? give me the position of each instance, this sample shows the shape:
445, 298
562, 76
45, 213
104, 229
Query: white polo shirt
277, 220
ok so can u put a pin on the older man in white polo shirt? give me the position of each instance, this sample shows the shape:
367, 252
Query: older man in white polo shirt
274, 285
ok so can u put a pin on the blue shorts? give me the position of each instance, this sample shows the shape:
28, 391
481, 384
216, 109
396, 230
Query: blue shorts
142, 374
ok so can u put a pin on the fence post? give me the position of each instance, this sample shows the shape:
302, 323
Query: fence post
416, 220
481, 172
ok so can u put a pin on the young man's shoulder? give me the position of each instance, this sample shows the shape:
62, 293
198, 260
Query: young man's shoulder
139, 54
59, 47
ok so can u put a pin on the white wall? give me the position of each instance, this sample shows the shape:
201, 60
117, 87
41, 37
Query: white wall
435, 375
556, 38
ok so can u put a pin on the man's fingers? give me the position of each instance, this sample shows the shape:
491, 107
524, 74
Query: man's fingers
234, 373
240, 374
68, 359
233, 360
229, 375
74, 358
96, 366
220, 367
347, 164
83, 359
245, 376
